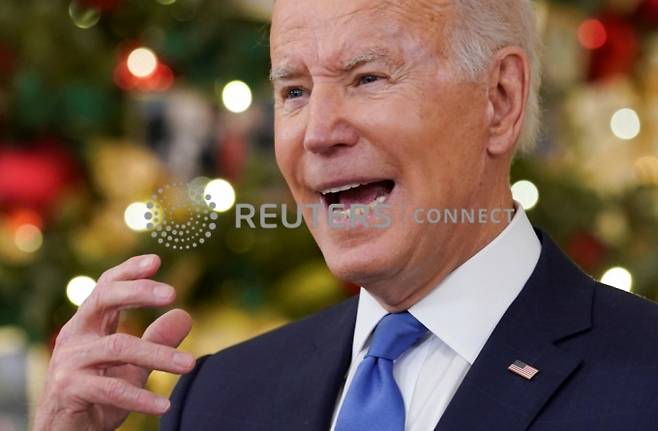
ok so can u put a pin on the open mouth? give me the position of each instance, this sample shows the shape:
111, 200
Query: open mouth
370, 193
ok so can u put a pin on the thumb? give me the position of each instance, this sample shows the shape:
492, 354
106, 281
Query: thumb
169, 329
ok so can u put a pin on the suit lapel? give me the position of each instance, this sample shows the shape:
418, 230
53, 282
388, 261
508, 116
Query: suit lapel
311, 384
555, 303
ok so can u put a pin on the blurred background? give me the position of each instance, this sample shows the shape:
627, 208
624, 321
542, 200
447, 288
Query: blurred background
106, 103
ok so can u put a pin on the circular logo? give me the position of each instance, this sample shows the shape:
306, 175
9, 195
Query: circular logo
180, 216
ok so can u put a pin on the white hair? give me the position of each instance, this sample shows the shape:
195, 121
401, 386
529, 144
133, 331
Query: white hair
483, 26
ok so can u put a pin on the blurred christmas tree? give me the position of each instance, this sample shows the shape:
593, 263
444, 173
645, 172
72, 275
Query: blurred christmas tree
104, 101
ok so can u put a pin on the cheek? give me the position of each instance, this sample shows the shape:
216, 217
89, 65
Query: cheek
283, 151
390, 125
288, 147
435, 139
411, 133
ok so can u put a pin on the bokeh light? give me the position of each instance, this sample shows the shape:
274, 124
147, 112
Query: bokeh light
28, 238
625, 124
526, 193
236, 96
220, 195
646, 169
618, 277
592, 34
79, 288
134, 216
142, 62
84, 16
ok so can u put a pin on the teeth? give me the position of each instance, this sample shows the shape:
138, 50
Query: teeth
379, 201
342, 214
342, 188
358, 210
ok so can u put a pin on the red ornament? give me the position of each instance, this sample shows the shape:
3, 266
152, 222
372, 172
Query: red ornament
160, 80
592, 34
586, 250
22, 216
618, 54
34, 177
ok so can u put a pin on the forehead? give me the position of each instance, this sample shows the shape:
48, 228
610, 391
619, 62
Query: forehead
330, 27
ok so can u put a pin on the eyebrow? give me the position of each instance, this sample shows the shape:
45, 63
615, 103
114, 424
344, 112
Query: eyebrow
284, 72
371, 55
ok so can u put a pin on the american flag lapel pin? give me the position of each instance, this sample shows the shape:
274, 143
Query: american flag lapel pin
522, 369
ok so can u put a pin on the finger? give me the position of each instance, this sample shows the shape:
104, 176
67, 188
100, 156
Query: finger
100, 312
122, 295
125, 349
143, 266
169, 329
115, 392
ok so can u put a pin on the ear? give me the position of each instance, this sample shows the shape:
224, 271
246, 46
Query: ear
509, 84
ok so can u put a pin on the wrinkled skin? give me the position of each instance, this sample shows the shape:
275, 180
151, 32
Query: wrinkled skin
404, 114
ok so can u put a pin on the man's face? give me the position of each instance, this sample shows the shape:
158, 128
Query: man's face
365, 97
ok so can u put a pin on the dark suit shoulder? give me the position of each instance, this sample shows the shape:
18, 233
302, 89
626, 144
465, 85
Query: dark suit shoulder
237, 385
617, 308
614, 386
289, 337
624, 327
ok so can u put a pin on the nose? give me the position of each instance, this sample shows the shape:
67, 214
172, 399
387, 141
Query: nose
328, 127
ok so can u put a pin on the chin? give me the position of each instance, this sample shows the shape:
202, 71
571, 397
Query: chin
365, 261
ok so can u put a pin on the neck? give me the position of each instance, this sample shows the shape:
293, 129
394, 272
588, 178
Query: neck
458, 248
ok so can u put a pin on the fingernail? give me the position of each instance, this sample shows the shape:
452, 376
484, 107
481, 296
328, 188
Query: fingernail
146, 262
163, 291
162, 404
183, 360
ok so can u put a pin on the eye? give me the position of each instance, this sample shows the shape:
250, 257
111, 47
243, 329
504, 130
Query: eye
293, 93
367, 79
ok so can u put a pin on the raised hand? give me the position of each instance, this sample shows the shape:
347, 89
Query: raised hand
96, 375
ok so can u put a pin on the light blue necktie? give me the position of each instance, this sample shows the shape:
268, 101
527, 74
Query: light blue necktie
373, 401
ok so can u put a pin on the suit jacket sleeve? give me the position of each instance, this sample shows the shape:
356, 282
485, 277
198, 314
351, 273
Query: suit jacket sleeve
171, 420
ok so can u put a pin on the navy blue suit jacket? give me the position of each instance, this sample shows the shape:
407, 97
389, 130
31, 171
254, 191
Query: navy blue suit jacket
596, 348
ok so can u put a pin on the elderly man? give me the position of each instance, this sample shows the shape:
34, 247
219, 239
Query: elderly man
415, 104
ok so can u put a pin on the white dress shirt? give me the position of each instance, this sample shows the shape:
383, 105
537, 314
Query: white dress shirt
460, 313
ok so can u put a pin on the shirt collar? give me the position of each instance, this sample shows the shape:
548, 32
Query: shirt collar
465, 307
